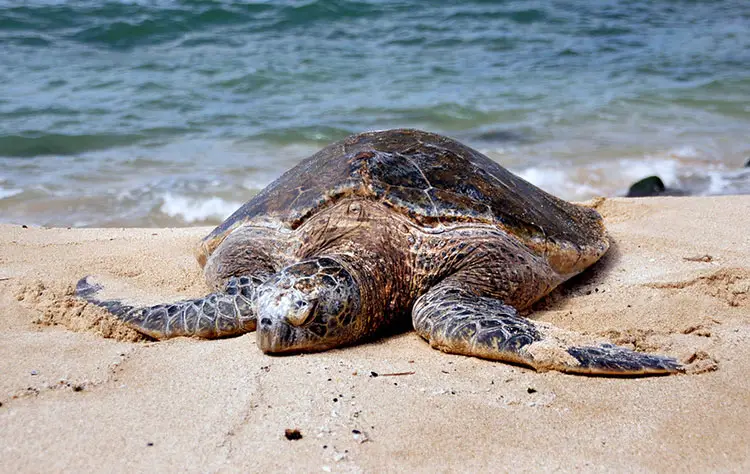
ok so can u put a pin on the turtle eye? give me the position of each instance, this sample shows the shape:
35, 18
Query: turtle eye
303, 310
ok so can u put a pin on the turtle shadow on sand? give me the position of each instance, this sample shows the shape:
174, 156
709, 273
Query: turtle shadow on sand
389, 229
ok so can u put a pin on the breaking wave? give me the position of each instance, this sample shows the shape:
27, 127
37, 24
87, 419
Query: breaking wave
197, 210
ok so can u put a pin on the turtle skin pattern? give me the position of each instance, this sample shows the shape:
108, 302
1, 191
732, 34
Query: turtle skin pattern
455, 320
216, 315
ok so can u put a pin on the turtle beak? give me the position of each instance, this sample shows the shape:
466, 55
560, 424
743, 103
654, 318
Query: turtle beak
279, 314
275, 337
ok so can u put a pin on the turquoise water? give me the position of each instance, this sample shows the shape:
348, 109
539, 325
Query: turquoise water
144, 113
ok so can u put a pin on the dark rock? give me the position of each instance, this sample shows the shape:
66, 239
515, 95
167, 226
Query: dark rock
652, 186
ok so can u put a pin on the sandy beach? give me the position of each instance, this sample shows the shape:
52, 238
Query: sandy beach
80, 392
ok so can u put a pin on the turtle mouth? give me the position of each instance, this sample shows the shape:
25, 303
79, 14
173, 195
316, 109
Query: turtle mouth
280, 337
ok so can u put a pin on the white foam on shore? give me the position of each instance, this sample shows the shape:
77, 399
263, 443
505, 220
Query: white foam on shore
558, 182
633, 170
196, 209
602, 178
6, 193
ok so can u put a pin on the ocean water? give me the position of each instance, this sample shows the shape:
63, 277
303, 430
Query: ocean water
167, 112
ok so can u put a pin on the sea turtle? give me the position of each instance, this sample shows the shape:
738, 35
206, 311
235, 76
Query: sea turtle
390, 225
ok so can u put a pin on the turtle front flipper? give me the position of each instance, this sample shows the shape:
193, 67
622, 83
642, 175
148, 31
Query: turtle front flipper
457, 321
215, 315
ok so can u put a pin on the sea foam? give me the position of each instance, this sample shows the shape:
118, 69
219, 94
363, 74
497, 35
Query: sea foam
193, 210
10, 192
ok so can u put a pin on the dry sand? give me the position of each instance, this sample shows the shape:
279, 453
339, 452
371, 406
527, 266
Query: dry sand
79, 392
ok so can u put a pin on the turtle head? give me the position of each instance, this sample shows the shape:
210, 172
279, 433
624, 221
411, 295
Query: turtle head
310, 306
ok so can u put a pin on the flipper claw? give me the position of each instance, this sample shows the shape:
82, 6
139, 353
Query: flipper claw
86, 288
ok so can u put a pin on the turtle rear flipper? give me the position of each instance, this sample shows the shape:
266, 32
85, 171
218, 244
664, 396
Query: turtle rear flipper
215, 315
457, 321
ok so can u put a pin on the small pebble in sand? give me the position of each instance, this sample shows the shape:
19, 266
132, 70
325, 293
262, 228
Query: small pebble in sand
360, 436
292, 434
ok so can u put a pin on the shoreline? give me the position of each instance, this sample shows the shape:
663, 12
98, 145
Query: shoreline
79, 391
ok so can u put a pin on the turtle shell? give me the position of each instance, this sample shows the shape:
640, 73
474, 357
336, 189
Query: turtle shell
432, 179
